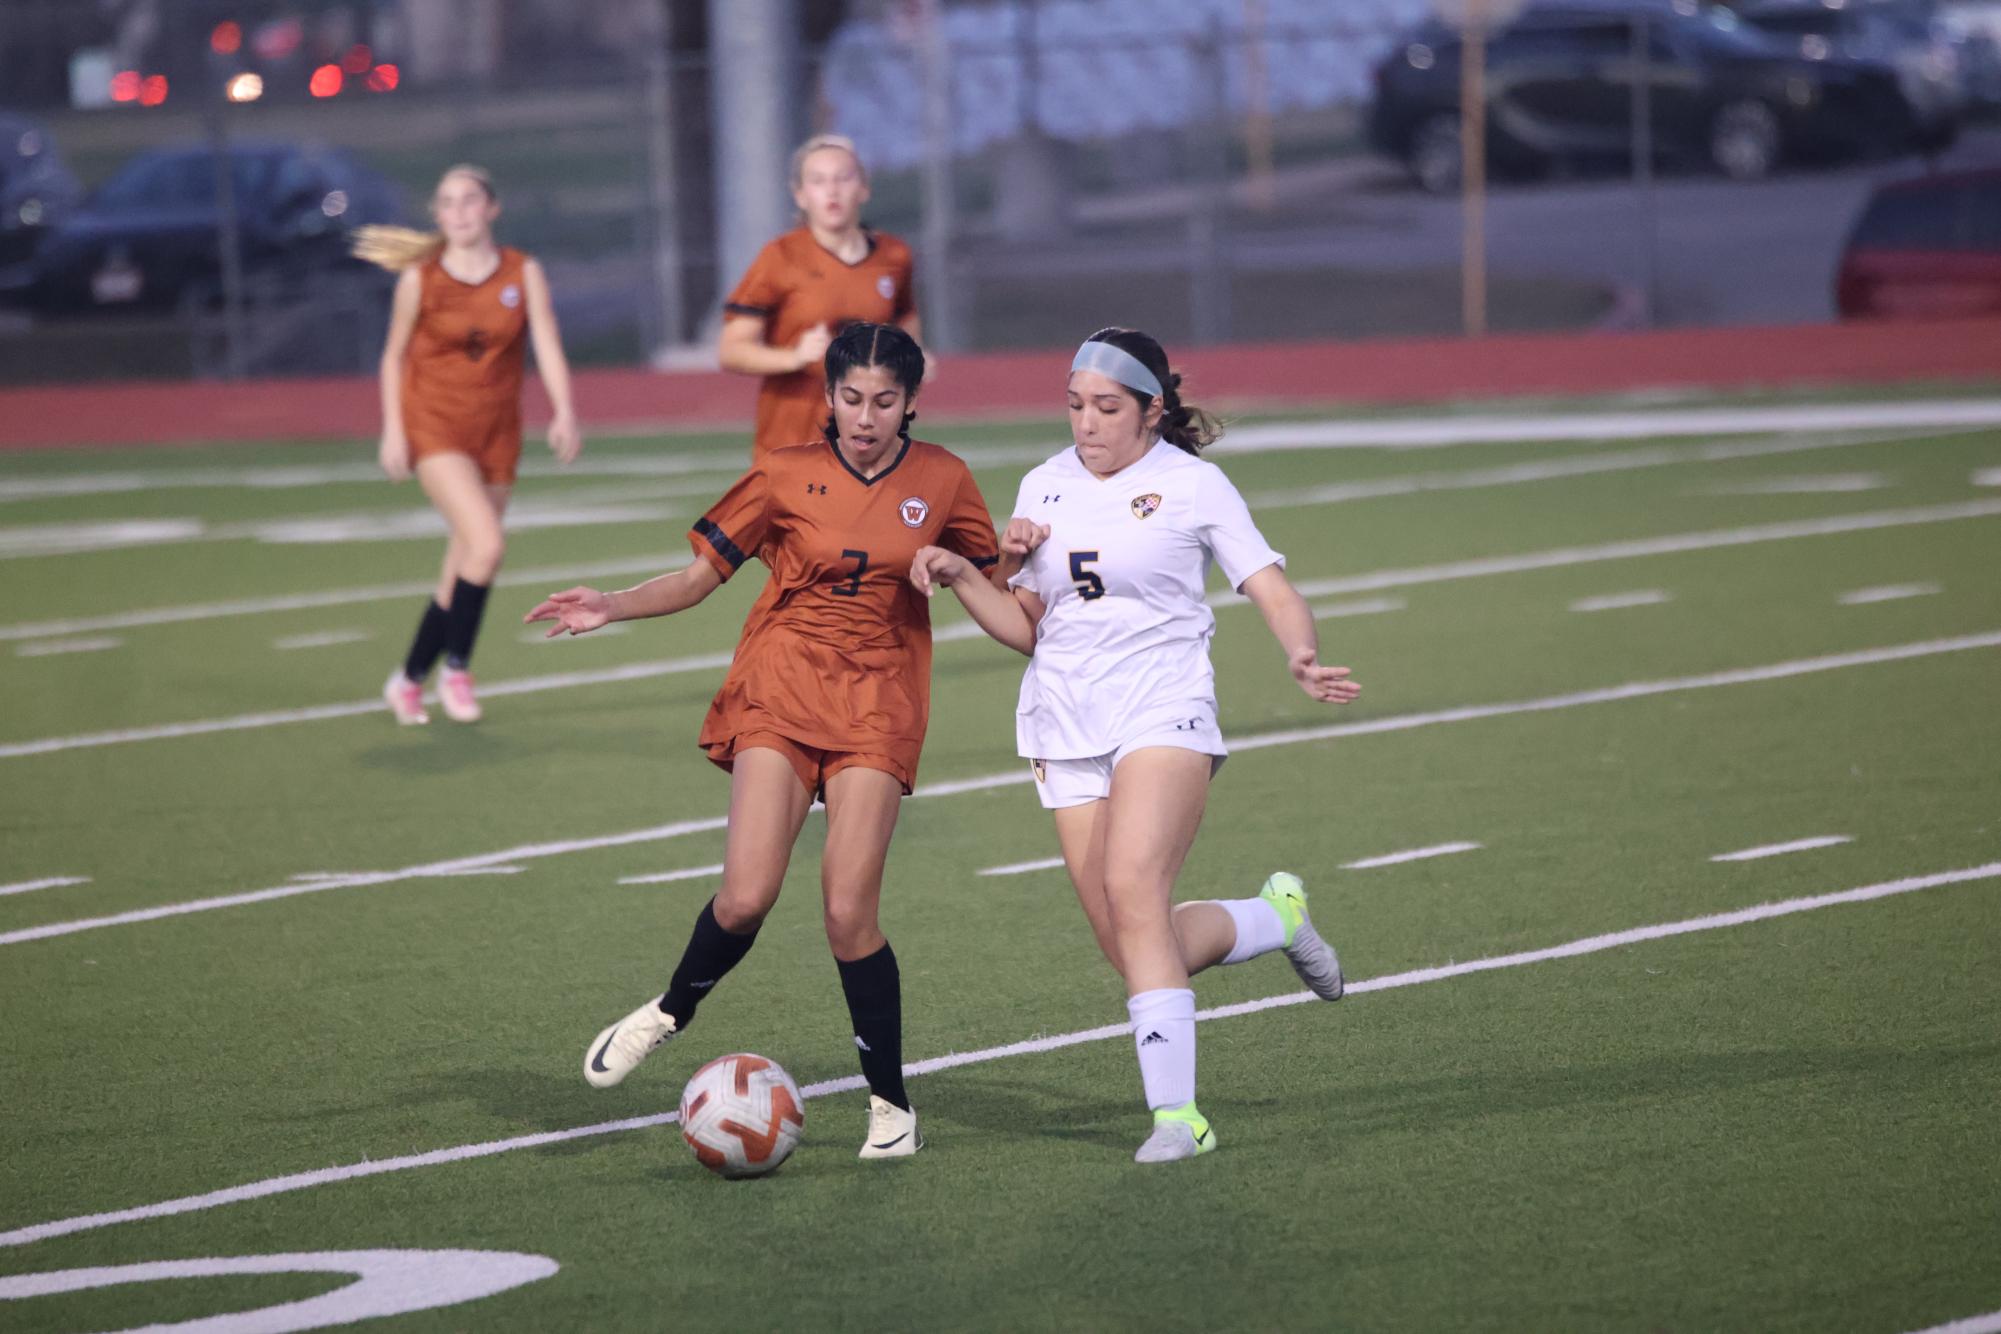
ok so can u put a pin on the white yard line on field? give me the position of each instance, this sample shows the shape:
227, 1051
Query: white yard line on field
1987, 477
323, 639
1973, 1324
1462, 479
669, 877
1330, 611
49, 648
1411, 855
326, 1176
1811, 484
1887, 593
1023, 868
1641, 597
1481, 567
1781, 849
1777, 671
50, 882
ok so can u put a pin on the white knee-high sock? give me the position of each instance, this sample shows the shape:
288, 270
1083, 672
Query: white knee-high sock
1164, 1036
1259, 928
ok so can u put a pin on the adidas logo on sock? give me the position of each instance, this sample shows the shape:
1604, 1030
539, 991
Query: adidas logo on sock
1151, 1038
863, 1045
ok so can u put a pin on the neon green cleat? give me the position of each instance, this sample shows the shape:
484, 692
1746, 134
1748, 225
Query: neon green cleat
1312, 958
1178, 1132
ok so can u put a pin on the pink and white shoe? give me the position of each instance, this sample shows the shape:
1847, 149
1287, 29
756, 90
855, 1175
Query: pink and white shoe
405, 699
455, 693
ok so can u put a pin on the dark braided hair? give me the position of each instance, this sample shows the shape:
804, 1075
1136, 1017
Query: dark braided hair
861, 345
1182, 425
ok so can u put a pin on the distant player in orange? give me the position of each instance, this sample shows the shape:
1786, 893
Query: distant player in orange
828, 694
451, 408
808, 285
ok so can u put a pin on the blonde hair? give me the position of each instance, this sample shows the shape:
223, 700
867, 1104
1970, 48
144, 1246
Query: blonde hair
814, 145
400, 248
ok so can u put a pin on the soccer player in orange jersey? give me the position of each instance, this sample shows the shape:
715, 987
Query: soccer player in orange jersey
807, 286
828, 694
451, 410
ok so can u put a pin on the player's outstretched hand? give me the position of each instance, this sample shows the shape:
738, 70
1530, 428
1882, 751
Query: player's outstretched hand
1329, 685
1023, 536
577, 610
937, 568
565, 440
393, 454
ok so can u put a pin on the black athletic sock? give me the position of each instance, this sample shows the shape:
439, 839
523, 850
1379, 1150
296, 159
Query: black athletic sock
468, 605
428, 643
875, 1003
711, 953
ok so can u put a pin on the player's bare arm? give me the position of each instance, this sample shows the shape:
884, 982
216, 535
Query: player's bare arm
393, 453
580, 610
1291, 622
565, 440
995, 609
742, 348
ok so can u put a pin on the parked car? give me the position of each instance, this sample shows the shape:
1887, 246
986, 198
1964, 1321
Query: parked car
1900, 35
36, 190
1561, 79
148, 238
1928, 247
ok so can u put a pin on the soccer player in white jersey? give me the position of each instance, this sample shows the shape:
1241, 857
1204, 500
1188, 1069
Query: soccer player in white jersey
1118, 707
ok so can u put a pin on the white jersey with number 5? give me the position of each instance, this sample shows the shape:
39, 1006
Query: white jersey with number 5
1123, 651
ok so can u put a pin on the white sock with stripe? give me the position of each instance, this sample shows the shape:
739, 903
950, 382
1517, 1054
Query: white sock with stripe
1164, 1035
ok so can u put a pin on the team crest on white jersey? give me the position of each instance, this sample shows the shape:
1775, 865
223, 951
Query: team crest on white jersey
1041, 768
1144, 507
510, 296
885, 286
913, 512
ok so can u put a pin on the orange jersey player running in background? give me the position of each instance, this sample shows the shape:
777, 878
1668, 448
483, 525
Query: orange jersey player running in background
808, 285
465, 310
828, 693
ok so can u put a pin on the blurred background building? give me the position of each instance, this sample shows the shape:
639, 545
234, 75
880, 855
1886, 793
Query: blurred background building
1210, 169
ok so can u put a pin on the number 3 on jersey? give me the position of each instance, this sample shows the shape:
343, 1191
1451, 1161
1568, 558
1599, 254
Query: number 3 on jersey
1089, 586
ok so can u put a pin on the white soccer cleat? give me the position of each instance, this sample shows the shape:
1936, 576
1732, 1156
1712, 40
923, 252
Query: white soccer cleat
892, 1131
405, 699
1311, 957
455, 693
1178, 1134
617, 1051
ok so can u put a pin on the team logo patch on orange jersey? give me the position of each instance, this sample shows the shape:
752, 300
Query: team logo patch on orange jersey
510, 296
886, 286
1144, 507
913, 512
1041, 768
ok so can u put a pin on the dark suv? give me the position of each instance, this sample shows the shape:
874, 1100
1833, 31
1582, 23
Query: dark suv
1561, 79
1927, 248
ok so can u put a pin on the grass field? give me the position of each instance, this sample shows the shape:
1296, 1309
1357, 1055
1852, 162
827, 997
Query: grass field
352, 970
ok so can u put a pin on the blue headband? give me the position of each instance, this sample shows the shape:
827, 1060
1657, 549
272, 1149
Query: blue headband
1117, 364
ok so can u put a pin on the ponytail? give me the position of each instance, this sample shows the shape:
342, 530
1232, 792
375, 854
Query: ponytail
395, 248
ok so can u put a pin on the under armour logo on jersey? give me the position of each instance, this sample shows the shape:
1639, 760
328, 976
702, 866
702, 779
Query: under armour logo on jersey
1191, 725
1151, 1038
1051, 500
813, 490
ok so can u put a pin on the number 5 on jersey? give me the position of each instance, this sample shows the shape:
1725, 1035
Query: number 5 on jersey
1089, 586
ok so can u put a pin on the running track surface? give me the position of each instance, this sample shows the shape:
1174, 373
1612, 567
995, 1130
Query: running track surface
1272, 375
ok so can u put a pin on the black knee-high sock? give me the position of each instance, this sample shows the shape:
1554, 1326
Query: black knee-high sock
468, 605
711, 953
428, 643
875, 1003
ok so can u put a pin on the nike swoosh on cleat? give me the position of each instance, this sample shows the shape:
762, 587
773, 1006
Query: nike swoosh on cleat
1203, 1136
892, 1143
597, 1059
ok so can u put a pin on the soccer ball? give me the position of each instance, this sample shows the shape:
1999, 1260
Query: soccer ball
742, 1115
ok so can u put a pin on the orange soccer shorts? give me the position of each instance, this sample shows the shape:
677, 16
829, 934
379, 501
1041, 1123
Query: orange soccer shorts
496, 450
813, 765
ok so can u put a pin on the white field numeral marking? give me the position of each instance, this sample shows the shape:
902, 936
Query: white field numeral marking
1023, 868
1328, 611
1410, 855
52, 882
323, 639
1781, 849
668, 877
46, 648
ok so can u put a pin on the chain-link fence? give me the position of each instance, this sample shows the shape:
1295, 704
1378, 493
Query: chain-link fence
1203, 168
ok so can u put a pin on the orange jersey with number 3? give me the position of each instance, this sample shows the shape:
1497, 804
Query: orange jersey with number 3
796, 283
836, 653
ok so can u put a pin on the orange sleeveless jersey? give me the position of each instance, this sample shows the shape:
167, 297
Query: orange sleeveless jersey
462, 376
836, 653
794, 284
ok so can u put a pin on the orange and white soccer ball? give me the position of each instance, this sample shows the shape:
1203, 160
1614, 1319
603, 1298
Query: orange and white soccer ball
742, 1115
